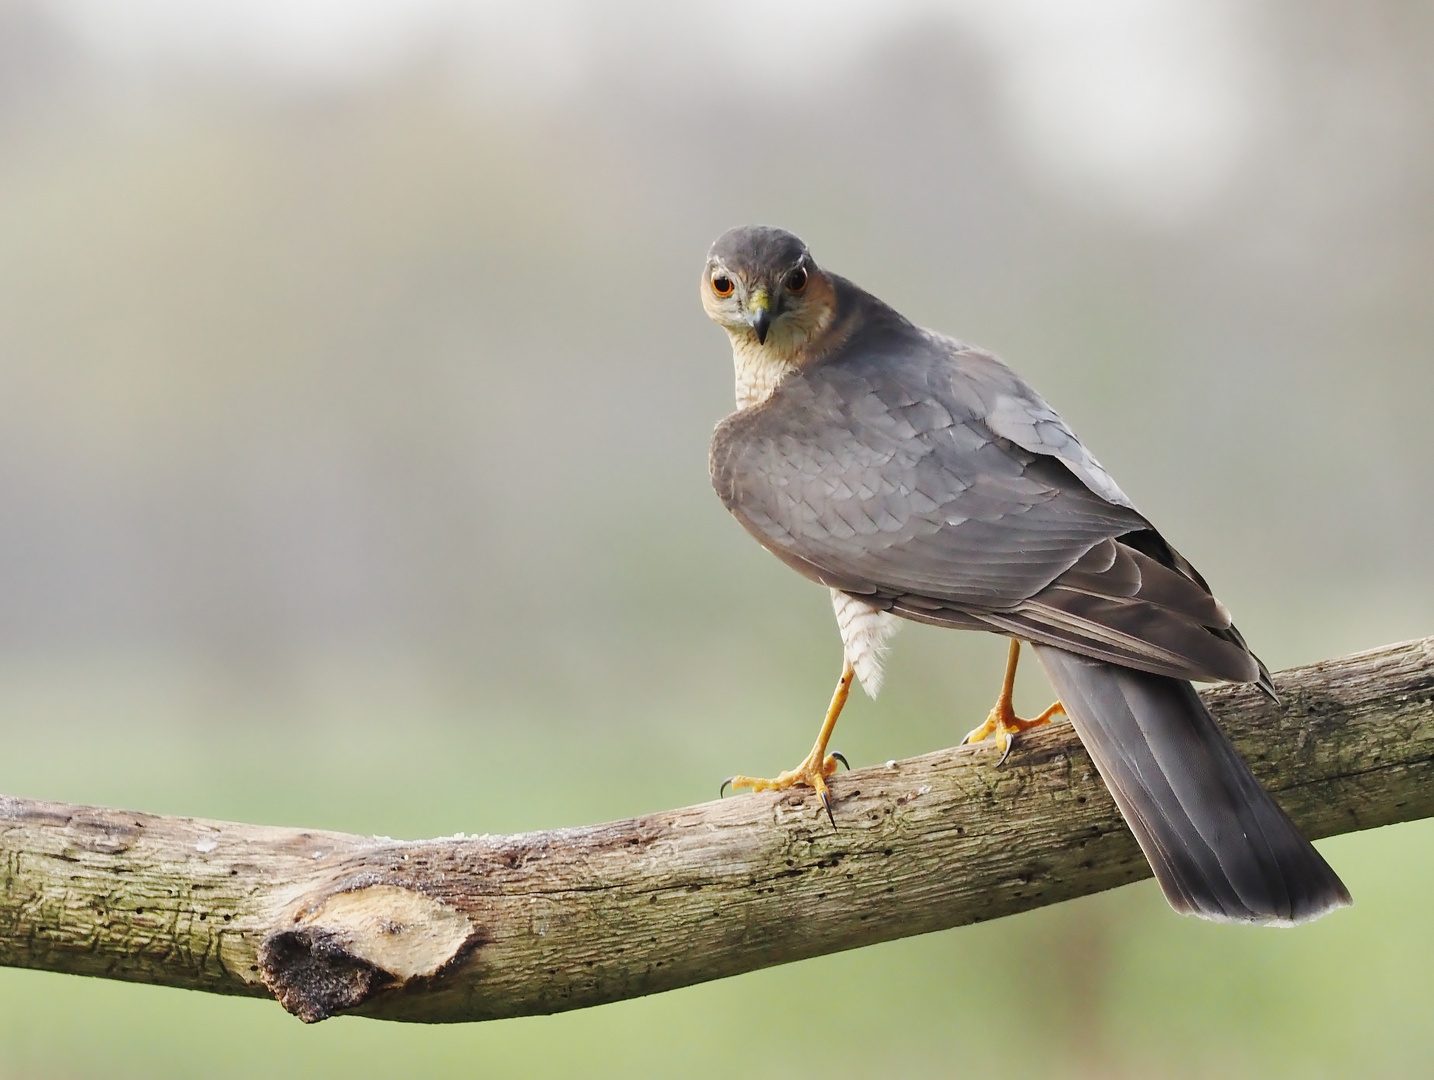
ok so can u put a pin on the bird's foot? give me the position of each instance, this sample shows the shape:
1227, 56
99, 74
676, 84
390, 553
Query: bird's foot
812, 773
1003, 724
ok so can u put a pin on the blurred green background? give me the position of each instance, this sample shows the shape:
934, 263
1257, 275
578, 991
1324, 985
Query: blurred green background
354, 403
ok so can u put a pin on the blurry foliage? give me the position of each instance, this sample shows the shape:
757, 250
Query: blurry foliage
352, 474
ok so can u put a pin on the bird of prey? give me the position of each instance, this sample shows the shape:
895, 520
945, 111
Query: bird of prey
918, 477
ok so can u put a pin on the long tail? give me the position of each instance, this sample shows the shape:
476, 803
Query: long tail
1220, 846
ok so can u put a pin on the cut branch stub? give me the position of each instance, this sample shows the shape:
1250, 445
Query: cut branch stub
347, 944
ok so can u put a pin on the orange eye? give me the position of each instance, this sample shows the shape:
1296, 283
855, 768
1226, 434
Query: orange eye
797, 280
722, 285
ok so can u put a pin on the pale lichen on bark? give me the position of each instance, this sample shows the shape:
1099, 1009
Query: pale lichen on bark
469, 928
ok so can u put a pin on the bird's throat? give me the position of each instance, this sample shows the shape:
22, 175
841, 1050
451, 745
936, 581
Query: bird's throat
760, 369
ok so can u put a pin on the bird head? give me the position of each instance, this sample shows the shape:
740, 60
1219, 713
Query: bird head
760, 284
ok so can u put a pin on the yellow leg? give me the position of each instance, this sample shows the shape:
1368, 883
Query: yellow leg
812, 772
1003, 722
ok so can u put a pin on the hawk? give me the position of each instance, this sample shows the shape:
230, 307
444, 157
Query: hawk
918, 477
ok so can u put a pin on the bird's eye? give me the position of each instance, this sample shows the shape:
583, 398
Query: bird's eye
797, 280
722, 285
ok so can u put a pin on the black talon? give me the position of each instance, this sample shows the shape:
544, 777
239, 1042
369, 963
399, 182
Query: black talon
827, 802
842, 758
722, 791
1010, 745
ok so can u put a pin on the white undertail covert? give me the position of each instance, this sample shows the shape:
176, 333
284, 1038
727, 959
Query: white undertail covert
865, 635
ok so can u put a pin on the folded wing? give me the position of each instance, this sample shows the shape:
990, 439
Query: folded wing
884, 475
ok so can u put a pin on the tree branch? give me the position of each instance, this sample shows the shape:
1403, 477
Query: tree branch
472, 928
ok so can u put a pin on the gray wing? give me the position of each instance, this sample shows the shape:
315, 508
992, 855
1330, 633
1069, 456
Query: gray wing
926, 478
1012, 410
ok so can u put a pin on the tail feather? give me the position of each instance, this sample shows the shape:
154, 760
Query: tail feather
1220, 846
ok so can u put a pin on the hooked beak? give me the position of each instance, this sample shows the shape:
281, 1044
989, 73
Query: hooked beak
759, 314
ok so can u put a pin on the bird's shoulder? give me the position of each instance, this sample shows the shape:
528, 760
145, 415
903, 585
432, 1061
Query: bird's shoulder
1012, 409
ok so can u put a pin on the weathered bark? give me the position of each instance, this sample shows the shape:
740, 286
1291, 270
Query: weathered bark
470, 928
